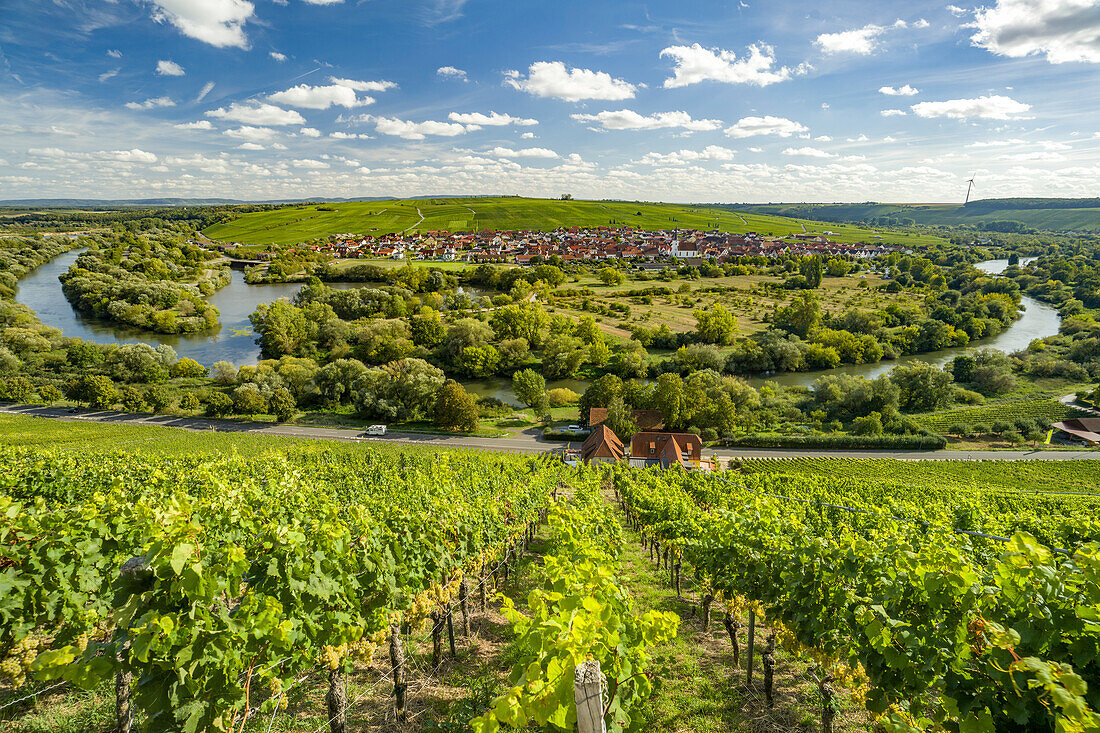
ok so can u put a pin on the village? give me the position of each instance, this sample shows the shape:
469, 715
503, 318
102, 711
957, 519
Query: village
574, 244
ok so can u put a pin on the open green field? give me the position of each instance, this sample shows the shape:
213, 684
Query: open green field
1053, 219
301, 223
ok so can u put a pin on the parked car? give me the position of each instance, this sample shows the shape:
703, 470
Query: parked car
375, 430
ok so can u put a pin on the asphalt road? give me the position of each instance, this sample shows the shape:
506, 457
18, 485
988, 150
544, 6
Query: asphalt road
525, 443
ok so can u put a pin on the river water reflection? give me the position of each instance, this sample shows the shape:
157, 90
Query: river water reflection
233, 341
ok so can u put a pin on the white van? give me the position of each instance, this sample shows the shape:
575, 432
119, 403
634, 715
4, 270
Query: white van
375, 430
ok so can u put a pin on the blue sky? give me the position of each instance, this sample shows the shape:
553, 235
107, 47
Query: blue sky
727, 101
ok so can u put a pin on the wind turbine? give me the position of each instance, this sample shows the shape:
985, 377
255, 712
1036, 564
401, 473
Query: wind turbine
969, 185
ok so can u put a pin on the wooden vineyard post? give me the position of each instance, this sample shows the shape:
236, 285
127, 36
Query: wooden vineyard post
482, 580
337, 700
732, 627
707, 600
451, 632
769, 670
437, 637
397, 661
588, 696
828, 711
679, 564
464, 605
752, 641
124, 708
666, 557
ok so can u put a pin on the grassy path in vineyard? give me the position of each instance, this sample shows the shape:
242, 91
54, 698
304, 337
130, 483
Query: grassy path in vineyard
697, 686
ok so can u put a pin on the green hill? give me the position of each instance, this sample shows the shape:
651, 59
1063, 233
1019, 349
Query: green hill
1057, 215
300, 223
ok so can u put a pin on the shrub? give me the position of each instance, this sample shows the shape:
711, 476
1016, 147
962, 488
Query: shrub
1013, 437
710, 435
49, 393
897, 442
218, 404
189, 402
561, 397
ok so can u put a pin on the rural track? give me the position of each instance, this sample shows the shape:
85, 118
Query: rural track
523, 443
417, 223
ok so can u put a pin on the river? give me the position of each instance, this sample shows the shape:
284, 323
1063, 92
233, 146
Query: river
234, 340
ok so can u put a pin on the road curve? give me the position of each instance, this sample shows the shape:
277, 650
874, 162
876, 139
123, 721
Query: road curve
525, 443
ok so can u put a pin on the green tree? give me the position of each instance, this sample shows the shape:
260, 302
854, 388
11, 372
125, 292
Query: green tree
188, 368
715, 325
520, 320
335, 380
562, 356
630, 360
83, 354
49, 393
16, 389
398, 391
801, 316
158, 397
921, 386
610, 276
529, 386
219, 404
247, 400
282, 404
133, 400
868, 425
668, 397
478, 361
427, 329
96, 390
189, 402
283, 328
813, 270
455, 408
620, 419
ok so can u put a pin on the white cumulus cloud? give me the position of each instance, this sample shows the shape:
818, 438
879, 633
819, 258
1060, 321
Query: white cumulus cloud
417, 130
523, 153
217, 22
492, 119
152, 103
198, 125
305, 96
280, 57
252, 134
683, 157
309, 132
808, 152
169, 68
992, 107
1061, 30
627, 119
257, 114
363, 86
767, 125
861, 41
554, 79
904, 91
450, 72
893, 113
695, 64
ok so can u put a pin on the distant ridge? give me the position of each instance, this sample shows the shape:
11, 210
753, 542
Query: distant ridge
56, 203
